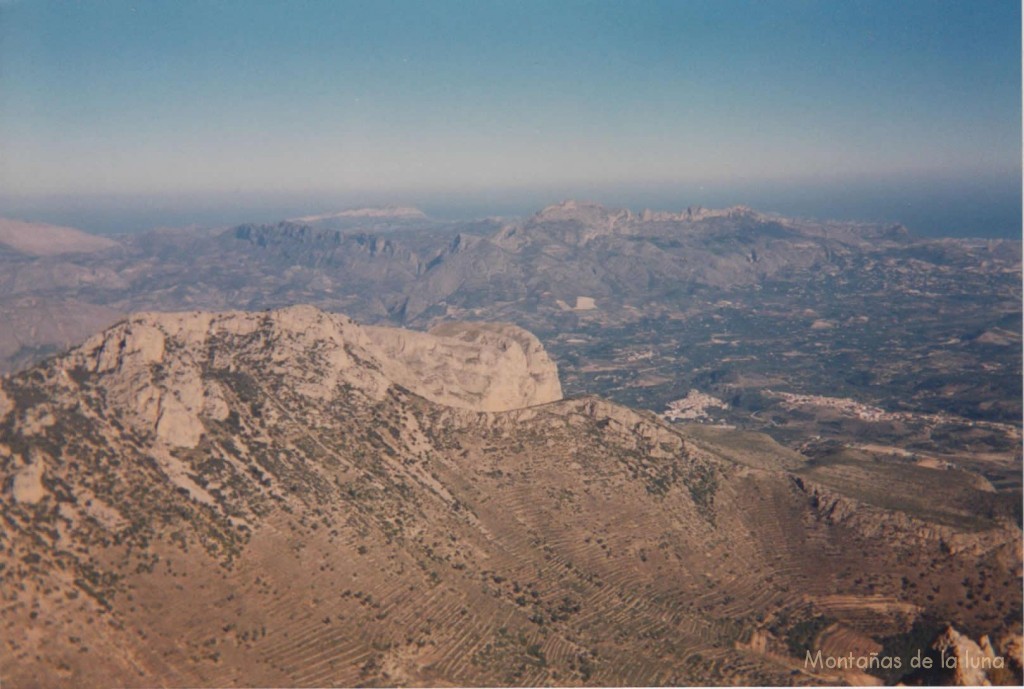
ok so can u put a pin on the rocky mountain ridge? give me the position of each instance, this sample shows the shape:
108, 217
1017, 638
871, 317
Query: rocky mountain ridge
421, 271
640, 307
289, 498
486, 367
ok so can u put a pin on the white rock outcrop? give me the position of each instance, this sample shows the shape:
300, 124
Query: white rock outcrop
27, 484
6, 405
973, 662
155, 363
481, 366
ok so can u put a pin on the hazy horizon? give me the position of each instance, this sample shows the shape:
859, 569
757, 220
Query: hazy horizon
933, 208
119, 118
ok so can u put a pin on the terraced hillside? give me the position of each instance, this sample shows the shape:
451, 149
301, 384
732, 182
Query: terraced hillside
253, 500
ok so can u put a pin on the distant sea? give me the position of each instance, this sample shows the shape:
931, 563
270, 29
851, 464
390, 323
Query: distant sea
972, 207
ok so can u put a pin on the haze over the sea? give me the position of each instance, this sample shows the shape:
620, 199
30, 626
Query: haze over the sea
120, 116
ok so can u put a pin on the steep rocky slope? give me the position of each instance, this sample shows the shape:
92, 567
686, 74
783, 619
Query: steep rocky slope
290, 499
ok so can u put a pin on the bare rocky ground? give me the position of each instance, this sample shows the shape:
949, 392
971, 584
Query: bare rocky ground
287, 498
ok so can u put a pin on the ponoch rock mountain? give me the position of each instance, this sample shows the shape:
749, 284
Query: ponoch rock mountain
288, 498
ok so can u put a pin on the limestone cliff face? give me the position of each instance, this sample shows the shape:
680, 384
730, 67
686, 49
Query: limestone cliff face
481, 366
158, 360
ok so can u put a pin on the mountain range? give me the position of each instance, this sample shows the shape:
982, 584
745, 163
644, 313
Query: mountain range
640, 307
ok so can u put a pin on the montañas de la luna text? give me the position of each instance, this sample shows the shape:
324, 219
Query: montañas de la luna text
875, 661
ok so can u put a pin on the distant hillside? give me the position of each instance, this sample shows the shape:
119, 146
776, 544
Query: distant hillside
386, 212
640, 306
38, 239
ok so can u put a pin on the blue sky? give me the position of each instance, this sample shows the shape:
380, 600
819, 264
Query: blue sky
421, 99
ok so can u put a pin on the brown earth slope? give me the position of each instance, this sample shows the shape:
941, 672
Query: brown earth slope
254, 500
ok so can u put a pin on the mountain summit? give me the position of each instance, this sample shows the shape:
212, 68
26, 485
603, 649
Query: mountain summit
288, 498
486, 367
